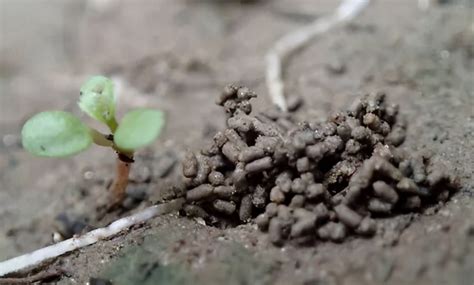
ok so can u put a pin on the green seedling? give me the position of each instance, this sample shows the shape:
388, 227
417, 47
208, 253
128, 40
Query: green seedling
61, 134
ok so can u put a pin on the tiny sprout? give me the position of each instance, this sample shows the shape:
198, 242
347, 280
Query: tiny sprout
61, 134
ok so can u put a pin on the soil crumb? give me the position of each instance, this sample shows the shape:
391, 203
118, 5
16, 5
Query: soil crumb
306, 181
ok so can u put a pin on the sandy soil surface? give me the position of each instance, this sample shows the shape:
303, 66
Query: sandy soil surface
177, 56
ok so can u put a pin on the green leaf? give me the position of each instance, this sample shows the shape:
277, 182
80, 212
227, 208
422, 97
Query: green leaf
138, 128
98, 100
55, 134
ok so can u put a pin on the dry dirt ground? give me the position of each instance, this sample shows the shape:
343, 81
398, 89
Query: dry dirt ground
177, 56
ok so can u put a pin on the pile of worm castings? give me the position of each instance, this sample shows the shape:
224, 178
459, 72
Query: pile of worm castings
307, 181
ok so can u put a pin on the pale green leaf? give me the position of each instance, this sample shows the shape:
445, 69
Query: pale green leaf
55, 134
139, 128
97, 99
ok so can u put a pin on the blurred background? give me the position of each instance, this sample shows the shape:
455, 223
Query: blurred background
177, 55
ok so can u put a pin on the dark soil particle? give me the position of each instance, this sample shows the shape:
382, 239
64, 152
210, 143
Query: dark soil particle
311, 180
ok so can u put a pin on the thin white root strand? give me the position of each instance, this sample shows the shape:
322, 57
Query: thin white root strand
293, 41
36, 257
424, 5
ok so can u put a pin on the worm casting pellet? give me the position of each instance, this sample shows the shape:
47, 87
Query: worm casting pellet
284, 213
235, 138
367, 227
352, 146
303, 226
245, 210
303, 164
361, 134
347, 216
262, 221
405, 168
241, 123
224, 191
199, 193
217, 162
321, 212
276, 195
384, 167
224, 207
231, 151
407, 185
195, 211
371, 121
220, 139
333, 231
216, 178
396, 136
316, 152
353, 194
315, 191
190, 165
203, 170
385, 192
284, 182
267, 143
251, 153
378, 206
298, 186
271, 210
259, 165
275, 231
297, 201
344, 131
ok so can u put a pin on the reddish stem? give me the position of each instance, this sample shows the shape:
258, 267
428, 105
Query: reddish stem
121, 181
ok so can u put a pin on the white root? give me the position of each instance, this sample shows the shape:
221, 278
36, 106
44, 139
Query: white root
293, 41
36, 257
424, 5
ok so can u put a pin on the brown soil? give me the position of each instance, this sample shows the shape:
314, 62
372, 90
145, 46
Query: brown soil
177, 56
